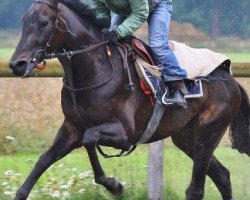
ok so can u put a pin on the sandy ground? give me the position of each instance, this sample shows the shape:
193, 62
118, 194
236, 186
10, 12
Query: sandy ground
245, 82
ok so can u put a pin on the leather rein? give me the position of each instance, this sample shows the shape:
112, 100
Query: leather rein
68, 73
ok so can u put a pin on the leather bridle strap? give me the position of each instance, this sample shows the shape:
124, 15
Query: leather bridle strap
48, 43
70, 54
49, 4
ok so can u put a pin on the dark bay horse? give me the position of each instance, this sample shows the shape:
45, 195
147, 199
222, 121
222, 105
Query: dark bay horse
117, 118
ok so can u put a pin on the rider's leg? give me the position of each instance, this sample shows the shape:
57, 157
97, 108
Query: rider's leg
159, 20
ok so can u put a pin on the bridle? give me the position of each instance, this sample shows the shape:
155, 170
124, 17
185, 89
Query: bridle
70, 54
44, 50
45, 54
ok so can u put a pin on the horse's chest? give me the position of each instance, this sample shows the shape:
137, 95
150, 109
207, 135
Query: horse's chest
97, 114
91, 115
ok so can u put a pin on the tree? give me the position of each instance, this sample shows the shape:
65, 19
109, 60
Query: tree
224, 17
11, 12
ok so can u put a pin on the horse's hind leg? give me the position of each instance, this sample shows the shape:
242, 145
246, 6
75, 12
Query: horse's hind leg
216, 171
209, 128
67, 139
221, 177
109, 183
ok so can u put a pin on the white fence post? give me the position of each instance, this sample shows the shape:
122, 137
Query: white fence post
155, 170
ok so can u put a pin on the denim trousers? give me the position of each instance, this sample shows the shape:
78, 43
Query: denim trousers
158, 31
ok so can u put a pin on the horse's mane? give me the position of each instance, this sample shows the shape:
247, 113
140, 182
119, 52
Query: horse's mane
86, 13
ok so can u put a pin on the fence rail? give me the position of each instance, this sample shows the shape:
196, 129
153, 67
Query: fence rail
54, 69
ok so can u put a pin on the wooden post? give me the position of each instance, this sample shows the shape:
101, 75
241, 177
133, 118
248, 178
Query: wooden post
155, 171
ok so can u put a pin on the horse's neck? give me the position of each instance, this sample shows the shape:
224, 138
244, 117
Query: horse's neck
88, 68
85, 33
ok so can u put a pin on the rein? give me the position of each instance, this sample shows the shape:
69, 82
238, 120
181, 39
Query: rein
68, 71
70, 54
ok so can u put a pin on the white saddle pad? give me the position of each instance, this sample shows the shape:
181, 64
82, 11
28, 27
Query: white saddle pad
198, 62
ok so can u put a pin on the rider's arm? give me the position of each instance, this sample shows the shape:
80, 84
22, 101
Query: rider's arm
139, 15
102, 12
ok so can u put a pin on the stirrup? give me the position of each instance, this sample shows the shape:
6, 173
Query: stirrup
177, 104
163, 98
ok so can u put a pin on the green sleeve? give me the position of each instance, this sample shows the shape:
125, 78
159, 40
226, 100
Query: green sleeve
102, 11
139, 15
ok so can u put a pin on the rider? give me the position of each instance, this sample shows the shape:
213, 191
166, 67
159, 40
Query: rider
129, 16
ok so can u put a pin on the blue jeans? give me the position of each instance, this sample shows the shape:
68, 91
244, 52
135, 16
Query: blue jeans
158, 21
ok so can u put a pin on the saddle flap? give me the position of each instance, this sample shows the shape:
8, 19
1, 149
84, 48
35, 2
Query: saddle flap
152, 69
148, 80
147, 86
142, 51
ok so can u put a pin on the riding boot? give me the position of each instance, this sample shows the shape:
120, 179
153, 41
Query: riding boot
177, 90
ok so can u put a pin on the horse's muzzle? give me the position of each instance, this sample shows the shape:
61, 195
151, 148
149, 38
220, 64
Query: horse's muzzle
18, 67
21, 68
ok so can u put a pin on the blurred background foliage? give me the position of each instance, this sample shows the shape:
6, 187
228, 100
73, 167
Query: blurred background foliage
216, 18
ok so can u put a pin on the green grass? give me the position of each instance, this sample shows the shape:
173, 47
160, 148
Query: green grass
239, 57
6, 53
132, 170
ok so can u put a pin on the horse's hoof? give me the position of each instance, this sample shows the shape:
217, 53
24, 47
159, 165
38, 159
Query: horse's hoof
194, 194
115, 187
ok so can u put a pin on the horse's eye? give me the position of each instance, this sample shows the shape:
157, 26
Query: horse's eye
44, 23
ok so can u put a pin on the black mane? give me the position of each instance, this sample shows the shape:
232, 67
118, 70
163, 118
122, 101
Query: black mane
86, 13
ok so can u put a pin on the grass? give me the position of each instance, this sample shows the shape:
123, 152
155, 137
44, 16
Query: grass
73, 175
6, 53
239, 57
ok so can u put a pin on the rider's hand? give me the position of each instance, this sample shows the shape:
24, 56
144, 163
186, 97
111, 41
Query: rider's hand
111, 36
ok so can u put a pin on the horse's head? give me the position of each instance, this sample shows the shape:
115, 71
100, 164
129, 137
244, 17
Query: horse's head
39, 27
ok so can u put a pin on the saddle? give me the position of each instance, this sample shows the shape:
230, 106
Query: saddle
145, 65
150, 74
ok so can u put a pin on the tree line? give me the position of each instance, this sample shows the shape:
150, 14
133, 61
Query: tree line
217, 18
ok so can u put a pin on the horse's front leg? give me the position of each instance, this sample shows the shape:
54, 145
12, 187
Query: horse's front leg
110, 134
68, 138
110, 183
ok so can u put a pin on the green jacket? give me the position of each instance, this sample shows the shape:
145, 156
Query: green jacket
137, 11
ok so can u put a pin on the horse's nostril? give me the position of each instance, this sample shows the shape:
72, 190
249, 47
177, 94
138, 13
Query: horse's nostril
16, 65
20, 63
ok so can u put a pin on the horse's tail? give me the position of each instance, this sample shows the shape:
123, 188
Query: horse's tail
240, 126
